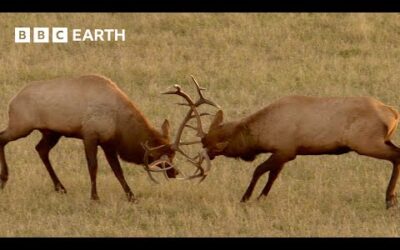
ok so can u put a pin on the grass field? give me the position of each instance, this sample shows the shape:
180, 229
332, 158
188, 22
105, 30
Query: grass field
246, 61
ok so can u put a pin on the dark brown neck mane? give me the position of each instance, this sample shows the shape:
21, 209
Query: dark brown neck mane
242, 143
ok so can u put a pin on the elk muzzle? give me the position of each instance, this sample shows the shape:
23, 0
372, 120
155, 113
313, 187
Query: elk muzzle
172, 173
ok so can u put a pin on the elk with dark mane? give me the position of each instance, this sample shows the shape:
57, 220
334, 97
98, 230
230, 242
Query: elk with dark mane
301, 125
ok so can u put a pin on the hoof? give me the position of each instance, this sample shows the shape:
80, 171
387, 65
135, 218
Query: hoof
95, 198
60, 189
132, 199
244, 199
3, 181
261, 197
392, 202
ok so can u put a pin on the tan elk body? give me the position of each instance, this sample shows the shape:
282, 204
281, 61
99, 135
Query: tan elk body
300, 125
91, 108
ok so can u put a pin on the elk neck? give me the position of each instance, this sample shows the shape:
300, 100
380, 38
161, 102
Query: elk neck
134, 130
242, 141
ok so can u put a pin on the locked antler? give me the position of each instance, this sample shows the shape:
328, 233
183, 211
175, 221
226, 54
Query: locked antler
193, 113
155, 165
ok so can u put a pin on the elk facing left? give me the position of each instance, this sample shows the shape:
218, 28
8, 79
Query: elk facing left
91, 108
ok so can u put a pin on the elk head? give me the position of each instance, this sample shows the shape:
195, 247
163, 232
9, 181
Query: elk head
217, 138
193, 113
159, 158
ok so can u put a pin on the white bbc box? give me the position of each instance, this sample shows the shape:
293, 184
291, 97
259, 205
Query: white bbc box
59, 35
41, 35
22, 34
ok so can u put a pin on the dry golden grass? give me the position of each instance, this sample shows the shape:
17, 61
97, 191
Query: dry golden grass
246, 61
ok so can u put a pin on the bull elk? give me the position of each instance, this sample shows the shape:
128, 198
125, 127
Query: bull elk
301, 125
91, 108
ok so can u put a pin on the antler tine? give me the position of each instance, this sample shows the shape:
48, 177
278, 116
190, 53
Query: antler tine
194, 116
148, 148
192, 106
178, 89
189, 143
146, 162
184, 154
203, 173
202, 99
198, 164
199, 89
151, 168
201, 114
151, 177
179, 92
190, 126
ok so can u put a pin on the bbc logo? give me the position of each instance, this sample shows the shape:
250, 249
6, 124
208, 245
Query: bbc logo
41, 35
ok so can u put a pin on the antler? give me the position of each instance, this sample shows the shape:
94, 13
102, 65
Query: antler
192, 113
203, 173
193, 109
154, 166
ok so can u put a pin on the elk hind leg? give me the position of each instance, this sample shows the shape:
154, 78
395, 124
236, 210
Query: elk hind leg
391, 196
48, 141
12, 133
386, 151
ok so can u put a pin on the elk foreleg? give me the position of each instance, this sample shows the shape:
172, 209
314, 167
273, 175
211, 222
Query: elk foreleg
273, 174
112, 158
91, 157
274, 164
48, 141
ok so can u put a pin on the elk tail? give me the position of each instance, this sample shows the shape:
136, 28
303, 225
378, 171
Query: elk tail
392, 125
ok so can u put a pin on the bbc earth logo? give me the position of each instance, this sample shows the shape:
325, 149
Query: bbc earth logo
61, 35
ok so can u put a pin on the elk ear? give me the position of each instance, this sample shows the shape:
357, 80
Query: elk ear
219, 147
165, 128
219, 116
